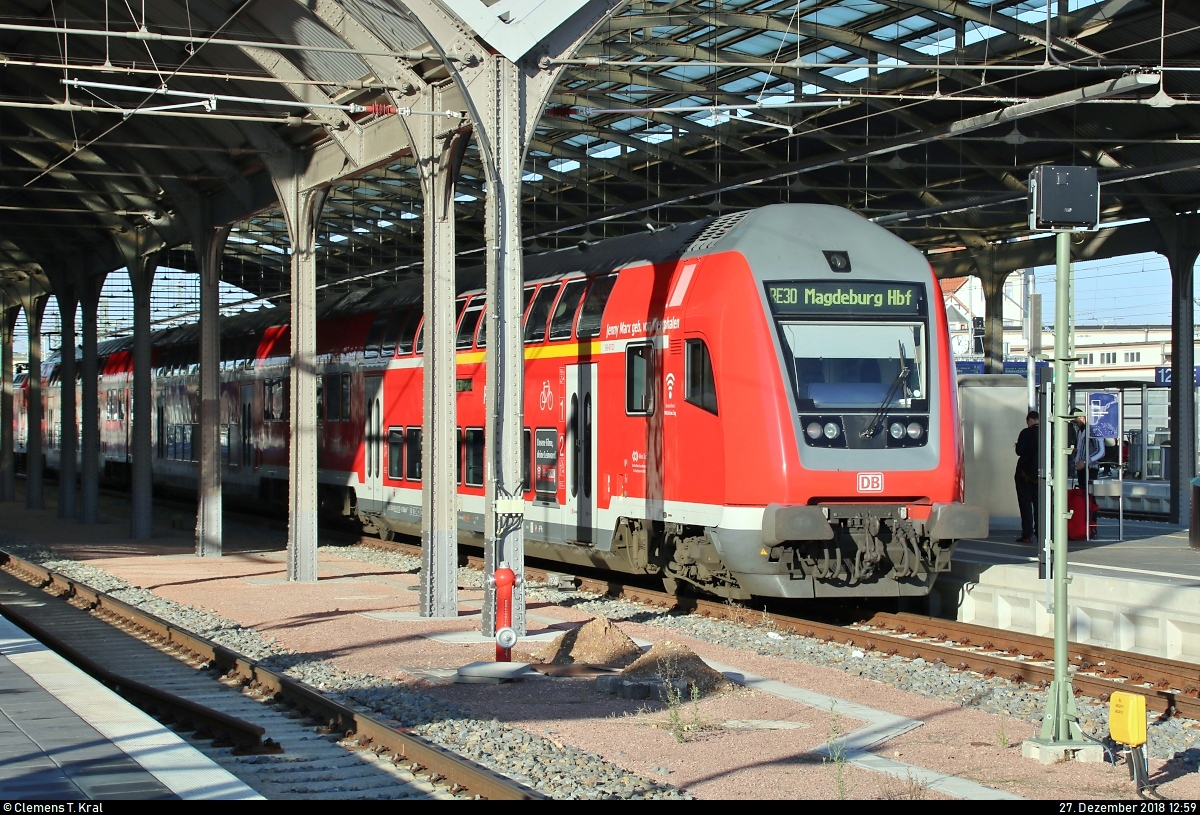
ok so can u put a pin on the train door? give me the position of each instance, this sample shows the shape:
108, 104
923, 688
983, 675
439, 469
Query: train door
580, 508
248, 458
373, 441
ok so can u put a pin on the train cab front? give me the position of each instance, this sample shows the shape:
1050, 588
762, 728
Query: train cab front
874, 496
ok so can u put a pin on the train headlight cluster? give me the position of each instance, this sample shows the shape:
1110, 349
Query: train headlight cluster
823, 431
829, 430
907, 431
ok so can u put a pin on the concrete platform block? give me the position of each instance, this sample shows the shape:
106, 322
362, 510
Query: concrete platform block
491, 673
608, 684
1049, 753
633, 690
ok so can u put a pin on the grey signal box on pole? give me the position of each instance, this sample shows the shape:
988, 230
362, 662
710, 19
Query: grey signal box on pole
1063, 198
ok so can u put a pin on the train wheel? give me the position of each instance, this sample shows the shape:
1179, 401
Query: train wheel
385, 534
670, 585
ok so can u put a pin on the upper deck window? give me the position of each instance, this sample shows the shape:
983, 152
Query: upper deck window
470, 321
375, 335
564, 313
592, 314
539, 313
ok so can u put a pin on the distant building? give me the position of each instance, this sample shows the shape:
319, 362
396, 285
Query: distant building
1108, 353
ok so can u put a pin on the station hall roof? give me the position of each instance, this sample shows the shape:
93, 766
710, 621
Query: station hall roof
120, 122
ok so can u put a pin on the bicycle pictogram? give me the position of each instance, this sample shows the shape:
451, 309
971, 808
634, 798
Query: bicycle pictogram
546, 398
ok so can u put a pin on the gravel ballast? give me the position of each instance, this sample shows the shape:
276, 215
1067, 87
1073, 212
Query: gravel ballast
564, 771
552, 768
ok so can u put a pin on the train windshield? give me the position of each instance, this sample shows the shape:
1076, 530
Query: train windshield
851, 365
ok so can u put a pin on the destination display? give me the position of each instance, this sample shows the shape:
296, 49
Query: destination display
817, 298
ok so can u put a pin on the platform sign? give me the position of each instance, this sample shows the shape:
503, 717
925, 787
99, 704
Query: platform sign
545, 461
1162, 374
1042, 372
1104, 420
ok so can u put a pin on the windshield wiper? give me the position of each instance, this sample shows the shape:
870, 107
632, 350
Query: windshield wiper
900, 379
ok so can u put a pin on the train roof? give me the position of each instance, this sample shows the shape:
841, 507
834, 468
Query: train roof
588, 258
767, 236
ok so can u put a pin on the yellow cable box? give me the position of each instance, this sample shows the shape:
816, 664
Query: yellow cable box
1127, 718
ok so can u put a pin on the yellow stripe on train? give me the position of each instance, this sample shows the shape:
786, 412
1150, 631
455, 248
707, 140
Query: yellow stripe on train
566, 349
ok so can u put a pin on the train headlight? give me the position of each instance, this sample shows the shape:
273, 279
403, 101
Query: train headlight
832, 431
915, 431
897, 431
813, 430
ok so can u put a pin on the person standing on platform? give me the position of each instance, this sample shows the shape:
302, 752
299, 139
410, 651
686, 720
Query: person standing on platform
1088, 450
1026, 476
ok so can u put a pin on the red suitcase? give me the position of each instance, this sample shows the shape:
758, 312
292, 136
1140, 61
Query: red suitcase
1076, 529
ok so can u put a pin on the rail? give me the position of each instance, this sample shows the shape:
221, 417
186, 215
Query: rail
337, 718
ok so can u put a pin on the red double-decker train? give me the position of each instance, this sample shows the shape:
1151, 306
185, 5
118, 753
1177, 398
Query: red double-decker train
760, 404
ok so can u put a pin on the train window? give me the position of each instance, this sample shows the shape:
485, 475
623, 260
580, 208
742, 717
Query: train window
395, 453
412, 454
539, 313
856, 365
639, 379
470, 321
375, 335
701, 388
564, 314
408, 332
345, 397
320, 399
421, 339
387, 346
474, 455
529, 290
458, 468
273, 400
527, 456
333, 406
592, 313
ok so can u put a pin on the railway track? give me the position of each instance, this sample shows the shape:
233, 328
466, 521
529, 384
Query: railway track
1171, 687
267, 717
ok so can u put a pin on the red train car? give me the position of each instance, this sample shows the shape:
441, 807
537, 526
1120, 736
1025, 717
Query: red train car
758, 404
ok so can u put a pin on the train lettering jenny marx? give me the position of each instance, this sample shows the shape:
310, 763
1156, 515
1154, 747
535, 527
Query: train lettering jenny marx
760, 404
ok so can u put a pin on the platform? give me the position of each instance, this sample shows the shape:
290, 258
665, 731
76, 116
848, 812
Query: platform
66, 737
1140, 594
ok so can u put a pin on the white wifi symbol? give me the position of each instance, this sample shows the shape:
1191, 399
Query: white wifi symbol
670, 386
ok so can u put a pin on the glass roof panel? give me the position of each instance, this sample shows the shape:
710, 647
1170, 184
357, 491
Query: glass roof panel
978, 33
843, 13
701, 32
765, 44
902, 29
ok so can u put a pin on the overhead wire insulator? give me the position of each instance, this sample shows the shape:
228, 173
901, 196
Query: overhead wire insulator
380, 109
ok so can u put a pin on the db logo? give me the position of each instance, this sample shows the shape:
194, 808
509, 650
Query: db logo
870, 482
